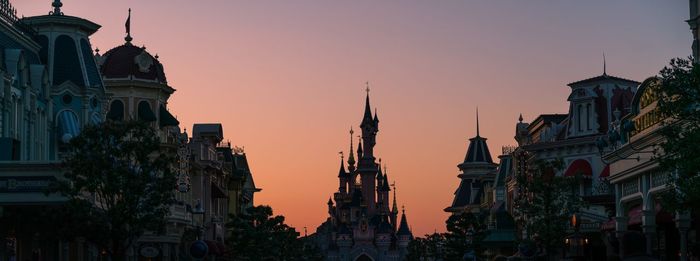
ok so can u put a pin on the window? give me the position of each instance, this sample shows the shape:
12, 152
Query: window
580, 117
588, 116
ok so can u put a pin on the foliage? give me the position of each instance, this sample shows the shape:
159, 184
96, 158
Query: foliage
465, 232
428, 248
118, 185
258, 235
546, 203
679, 104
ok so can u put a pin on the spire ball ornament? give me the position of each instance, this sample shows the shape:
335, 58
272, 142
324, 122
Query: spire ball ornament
56, 8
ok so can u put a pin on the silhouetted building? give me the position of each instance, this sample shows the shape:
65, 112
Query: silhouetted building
477, 173
50, 89
361, 225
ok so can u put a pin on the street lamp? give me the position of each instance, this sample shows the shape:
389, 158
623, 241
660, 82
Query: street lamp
199, 249
576, 242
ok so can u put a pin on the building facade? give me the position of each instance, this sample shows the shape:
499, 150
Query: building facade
52, 85
361, 226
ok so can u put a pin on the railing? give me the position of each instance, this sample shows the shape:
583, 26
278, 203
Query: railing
8, 14
658, 179
630, 187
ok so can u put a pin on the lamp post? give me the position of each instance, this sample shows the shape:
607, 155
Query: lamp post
199, 248
575, 242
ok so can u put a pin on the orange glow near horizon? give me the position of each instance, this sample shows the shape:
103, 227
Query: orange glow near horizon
286, 78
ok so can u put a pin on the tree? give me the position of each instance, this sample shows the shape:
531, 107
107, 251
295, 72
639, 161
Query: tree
679, 106
118, 184
465, 232
428, 248
546, 203
258, 235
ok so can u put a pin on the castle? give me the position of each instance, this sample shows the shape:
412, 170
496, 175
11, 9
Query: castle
361, 226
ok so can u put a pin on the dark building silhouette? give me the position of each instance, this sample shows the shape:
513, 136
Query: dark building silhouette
361, 224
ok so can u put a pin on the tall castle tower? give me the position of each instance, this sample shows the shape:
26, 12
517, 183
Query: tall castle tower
361, 225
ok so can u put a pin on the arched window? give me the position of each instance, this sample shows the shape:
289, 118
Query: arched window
116, 111
66, 65
145, 112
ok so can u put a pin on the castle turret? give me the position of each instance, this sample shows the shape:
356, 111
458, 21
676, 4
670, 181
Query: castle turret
367, 168
342, 178
404, 235
394, 212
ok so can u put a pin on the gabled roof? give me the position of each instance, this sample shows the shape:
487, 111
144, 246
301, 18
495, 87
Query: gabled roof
603, 77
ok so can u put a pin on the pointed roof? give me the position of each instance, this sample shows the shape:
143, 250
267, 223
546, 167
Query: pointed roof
380, 176
351, 158
367, 118
403, 228
376, 117
342, 172
478, 151
394, 209
330, 201
386, 183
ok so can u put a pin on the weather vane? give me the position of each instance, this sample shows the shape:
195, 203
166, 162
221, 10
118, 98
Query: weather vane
367, 89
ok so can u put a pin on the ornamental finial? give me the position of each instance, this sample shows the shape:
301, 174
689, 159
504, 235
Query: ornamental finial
128, 28
56, 7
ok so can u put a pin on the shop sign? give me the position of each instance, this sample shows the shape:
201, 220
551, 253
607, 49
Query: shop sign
25, 184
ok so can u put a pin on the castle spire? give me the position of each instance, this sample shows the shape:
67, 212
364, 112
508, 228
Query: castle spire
342, 172
351, 158
367, 118
404, 230
394, 209
57, 7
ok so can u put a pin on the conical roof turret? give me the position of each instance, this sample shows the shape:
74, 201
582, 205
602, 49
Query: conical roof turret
342, 172
403, 228
367, 118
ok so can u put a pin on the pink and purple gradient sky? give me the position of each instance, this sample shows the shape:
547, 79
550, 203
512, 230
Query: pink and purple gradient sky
286, 78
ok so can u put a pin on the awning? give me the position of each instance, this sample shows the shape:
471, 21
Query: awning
167, 119
68, 125
500, 237
95, 119
579, 166
635, 217
605, 173
217, 192
145, 112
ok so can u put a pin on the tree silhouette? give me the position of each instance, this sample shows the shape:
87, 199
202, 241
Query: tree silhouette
118, 184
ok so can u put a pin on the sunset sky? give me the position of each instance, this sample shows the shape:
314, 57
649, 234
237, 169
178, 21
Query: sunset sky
287, 78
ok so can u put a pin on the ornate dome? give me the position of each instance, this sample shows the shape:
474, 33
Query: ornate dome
126, 60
